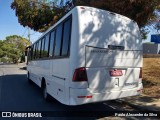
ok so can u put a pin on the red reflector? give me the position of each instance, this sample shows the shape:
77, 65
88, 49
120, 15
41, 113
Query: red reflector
139, 90
82, 7
84, 96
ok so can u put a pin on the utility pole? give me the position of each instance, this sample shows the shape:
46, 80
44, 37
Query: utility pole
29, 34
26, 52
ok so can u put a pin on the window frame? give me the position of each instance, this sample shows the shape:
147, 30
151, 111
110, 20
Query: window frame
45, 44
53, 30
40, 41
65, 56
68, 50
58, 56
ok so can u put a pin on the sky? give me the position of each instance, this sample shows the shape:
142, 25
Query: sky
9, 23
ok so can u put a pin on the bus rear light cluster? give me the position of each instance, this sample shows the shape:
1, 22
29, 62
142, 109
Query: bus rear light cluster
80, 75
82, 8
140, 74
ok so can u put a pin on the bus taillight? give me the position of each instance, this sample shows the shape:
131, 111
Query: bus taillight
140, 74
80, 75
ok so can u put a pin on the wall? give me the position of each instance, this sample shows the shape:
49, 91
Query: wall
151, 48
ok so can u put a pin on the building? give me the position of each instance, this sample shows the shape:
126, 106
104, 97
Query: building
149, 48
154, 46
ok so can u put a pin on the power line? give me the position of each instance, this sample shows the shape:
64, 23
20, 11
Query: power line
33, 33
24, 32
29, 34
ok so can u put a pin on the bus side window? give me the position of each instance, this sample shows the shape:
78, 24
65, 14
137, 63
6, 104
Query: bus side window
42, 48
46, 45
58, 41
52, 39
39, 48
34, 51
31, 52
66, 38
37, 51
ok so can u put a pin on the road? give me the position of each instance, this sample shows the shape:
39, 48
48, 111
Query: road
16, 94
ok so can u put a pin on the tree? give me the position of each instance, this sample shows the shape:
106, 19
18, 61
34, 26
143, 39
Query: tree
10, 52
1, 51
39, 15
13, 48
155, 23
19, 42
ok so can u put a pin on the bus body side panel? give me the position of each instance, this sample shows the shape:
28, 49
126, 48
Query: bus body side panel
56, 71
73, 57
59, 76
35, 72
76, 50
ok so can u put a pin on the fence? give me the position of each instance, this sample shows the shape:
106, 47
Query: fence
151, 55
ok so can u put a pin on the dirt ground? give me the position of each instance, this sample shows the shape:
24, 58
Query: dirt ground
151, 77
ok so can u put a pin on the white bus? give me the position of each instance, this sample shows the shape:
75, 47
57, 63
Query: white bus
89, 55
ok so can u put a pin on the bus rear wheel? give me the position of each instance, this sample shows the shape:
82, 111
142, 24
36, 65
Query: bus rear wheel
28, 78
45, 94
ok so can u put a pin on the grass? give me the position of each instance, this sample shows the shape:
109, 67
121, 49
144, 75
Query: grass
151, 77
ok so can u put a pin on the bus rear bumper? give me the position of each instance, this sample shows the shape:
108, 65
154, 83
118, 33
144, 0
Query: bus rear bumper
84, 96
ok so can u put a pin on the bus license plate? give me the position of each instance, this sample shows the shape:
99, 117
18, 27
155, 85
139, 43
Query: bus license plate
116, 73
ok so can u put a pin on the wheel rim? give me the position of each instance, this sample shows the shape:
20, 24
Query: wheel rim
28, 76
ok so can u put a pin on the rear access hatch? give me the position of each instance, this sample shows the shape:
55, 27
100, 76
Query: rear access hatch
112, 69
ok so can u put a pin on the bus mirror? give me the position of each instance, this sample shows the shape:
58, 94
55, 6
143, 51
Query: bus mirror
26, 52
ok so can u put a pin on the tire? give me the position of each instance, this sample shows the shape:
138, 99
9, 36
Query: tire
45, 94
29, 80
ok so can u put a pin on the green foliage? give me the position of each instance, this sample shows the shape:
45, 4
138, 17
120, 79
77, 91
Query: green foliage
22, 58
144, 33
13, 48
4, 60
34, 15
40, 16
19, 42
9, 51
1, 50
141, 11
